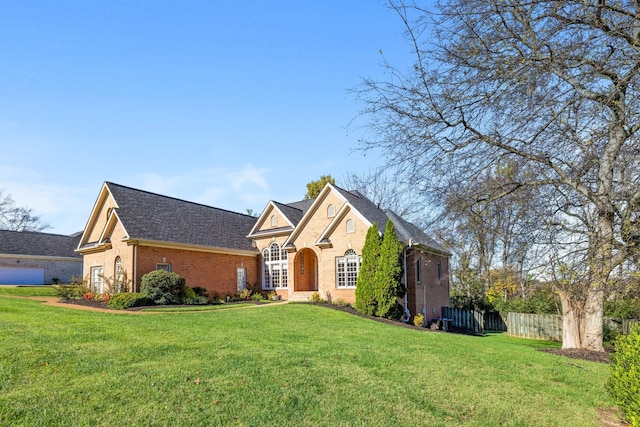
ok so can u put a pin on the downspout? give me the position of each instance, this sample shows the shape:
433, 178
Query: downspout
135, 266
407, 313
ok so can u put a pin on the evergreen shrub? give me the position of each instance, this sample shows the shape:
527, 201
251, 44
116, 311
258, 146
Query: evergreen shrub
163, 287
624, 383
387, 281
365, 297
126, 300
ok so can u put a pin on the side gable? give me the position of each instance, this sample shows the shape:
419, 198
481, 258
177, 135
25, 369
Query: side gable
100, 223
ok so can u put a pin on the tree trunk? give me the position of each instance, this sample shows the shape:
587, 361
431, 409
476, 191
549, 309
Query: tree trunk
582, 320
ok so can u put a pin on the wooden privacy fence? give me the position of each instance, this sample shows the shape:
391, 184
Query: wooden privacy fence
628, 325
536, 326
473, 321
523, 325
549, 327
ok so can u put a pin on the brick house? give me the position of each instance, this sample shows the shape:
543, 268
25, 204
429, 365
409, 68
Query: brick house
33, 258
316, 246
293, 249
132, 232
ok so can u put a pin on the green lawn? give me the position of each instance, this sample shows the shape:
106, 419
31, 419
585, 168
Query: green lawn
47, 291
279, 365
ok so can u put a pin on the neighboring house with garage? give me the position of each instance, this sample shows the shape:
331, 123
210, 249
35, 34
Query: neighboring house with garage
34, 258
316, 246
131, 232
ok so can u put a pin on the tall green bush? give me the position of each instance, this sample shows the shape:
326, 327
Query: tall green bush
387, 283
365, 296
163, 287
624, 383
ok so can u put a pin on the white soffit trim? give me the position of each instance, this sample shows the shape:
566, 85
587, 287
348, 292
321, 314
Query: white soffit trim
93, 216
182, 246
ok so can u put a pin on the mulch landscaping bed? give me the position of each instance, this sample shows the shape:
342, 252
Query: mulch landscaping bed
582, 354
86, 302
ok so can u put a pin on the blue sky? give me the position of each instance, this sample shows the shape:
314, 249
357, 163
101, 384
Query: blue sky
229, 104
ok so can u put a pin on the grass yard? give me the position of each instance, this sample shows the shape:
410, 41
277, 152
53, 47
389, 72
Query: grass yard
41, 291
286, 365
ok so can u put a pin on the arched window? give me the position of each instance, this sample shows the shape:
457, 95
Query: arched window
274, 220
347, 269
331, 211
118, 274
351, 226
274, 266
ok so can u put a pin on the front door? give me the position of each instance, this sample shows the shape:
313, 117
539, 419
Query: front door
306, 271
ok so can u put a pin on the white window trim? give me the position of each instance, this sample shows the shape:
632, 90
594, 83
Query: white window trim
350, 226
164, 266
331, 211
275, 268
350, 259
96, 279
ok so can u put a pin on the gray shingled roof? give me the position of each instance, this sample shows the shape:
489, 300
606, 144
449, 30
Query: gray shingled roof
292, 213
366, 207
405, 230
38, 244
149, 216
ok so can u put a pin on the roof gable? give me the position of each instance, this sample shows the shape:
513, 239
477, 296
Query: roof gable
262, 226
312, 209
99, 220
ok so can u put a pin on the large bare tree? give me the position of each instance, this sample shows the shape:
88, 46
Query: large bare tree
17, 218
552, 85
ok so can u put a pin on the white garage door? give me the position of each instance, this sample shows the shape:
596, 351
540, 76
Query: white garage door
21, 276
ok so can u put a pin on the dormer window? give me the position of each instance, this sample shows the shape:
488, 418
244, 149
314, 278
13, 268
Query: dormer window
274, 221
351, 226
331, 211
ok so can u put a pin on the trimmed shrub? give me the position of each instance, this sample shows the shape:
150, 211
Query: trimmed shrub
125, 300
197, 300
624, 383
365, 298
163, 287
189, 293
201, 292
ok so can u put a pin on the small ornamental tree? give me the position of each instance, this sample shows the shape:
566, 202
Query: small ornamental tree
365, 296
387, 284
163, 287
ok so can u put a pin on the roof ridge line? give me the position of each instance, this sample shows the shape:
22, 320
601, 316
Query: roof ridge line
177, 199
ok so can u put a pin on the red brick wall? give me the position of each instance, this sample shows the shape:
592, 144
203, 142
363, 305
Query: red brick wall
437, 289
213, 271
